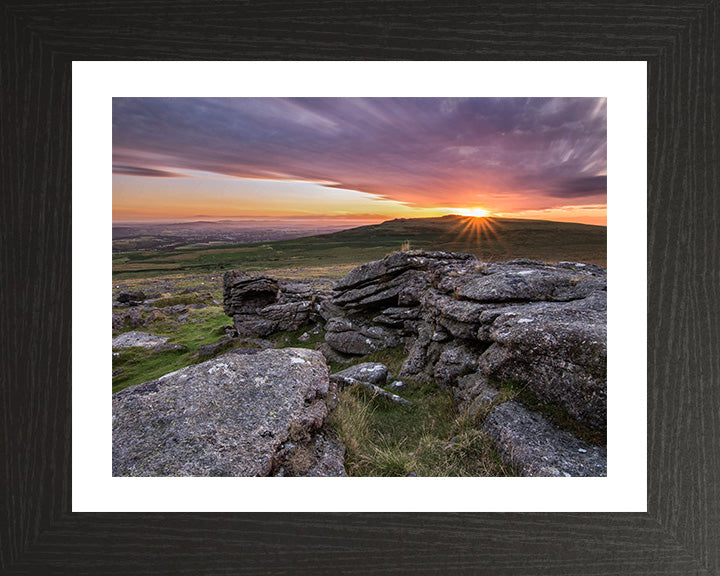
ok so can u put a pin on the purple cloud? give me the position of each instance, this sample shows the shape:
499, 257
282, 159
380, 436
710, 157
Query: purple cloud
422, 151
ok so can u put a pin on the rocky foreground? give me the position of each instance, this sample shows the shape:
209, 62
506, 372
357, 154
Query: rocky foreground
236, 415
469, 326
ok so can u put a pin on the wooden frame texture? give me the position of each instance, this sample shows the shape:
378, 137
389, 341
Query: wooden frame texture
680, 533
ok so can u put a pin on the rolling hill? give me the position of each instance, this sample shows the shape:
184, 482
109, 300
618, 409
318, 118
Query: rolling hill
488, 238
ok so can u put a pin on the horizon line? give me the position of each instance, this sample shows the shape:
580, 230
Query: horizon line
330, 219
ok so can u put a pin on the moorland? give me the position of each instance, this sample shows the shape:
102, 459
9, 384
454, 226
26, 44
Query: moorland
182, 301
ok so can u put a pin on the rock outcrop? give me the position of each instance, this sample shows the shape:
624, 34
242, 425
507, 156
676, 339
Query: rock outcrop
235, 415
260, 306
377, 305
131, 298
467, 325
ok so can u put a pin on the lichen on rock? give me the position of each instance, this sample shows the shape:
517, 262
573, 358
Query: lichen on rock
231, 416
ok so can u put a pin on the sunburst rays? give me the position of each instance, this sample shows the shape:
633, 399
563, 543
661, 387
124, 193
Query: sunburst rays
479, 235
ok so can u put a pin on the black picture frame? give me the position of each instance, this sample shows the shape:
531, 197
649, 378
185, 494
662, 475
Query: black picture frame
680, 533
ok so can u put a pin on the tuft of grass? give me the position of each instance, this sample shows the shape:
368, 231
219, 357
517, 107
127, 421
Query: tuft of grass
429, 438
352, 421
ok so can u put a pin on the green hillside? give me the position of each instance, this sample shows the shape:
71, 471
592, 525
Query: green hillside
488, 238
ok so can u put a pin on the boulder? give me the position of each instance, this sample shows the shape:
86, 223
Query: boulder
330, 459
456, 359
379, 294
175, 309
260, 306
245, 294
536, 447
230, 331
557, 350
209, 350
461, 318
273, 318
131, 297
118, 321
404, 321
287, 315
131, 318
474, 394
236, 415
332, 355
153, 316
369, 372
324, 456
293, 291
514, 283
350, 337
140, 339
422, 355
397, 280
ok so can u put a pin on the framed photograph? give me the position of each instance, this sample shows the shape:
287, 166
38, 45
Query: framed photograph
71, 504
500, 198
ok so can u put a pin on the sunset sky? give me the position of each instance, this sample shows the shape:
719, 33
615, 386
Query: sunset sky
358, 159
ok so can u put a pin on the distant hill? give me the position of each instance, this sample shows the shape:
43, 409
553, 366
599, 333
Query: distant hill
488, 238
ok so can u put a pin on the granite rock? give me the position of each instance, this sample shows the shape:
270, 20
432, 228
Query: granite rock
536, 447
231, 416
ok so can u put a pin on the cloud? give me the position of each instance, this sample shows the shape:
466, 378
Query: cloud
583, 186
502, 152
140, 171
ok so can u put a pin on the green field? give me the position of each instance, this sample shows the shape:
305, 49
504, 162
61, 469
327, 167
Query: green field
490, 239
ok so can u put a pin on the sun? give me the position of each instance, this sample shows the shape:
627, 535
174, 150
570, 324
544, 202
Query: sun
475, 212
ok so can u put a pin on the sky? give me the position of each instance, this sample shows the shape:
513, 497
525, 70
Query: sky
359, 159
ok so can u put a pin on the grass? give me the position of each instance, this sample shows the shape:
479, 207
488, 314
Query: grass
172, 285
488, 238
185, 299
141, 365
429, 438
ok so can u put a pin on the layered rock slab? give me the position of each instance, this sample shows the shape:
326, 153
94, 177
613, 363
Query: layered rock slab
376, 305
536, 447
260, 306
235, 415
